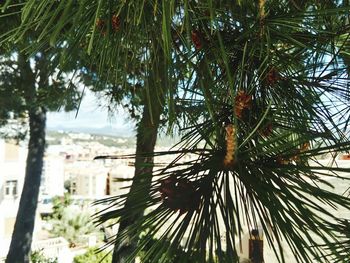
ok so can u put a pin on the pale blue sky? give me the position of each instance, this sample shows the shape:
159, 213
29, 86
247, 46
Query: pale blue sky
91, 115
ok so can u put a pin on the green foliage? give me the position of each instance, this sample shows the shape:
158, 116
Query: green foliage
38, 257
93, 256
67, 185
173, 255
72, 225
268, 72
28, 81
59, 204
260, 90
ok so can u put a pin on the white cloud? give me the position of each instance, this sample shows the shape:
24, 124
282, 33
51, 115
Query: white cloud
90, 115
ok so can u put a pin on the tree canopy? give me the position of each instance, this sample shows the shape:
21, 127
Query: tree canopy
30, 85
31, 80
261, 94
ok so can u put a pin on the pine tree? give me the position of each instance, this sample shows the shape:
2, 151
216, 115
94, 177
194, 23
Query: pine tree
262, 95
29, 87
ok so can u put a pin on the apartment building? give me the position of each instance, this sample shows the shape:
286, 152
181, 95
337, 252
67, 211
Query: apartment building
52, 178
12, 170
87, 178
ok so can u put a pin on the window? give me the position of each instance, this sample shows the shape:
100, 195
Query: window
11, 188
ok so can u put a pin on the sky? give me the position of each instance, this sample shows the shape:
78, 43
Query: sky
91, 117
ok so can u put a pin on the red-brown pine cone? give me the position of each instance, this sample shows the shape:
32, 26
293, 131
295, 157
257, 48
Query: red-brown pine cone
267, 130
196, 39
243, 101
101, 26
116, 23
179, 194
272, 77
305, 147
167, 187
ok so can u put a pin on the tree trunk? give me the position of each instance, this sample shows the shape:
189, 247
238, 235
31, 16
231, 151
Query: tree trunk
20, 247
146, 137
145, 143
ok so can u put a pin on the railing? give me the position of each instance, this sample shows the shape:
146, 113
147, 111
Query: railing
51, 247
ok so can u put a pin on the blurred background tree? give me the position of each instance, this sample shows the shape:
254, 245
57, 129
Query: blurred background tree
91, 256
39, 257
73, 225
30, 86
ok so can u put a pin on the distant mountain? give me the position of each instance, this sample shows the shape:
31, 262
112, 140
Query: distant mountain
113, 134
106, 130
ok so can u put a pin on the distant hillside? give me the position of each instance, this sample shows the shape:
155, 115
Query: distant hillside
55, 137
106, 130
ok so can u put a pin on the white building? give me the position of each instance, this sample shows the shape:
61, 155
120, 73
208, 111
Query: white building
52, 178
120, 177
12, 170
88, 179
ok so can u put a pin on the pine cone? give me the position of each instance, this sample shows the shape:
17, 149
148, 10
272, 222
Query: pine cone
116, 23
272, 77
243, 101
196, 39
